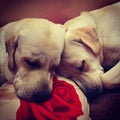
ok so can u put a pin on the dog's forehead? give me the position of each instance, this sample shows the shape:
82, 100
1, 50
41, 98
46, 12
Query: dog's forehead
39, 27
41, 33
84, 20
41, 37
36, 49
34, 31
43, 44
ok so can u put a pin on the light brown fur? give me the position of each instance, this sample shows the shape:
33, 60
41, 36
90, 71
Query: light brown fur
30, 50
92, 50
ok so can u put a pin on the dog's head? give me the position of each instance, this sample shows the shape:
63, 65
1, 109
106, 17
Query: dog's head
34, 51
81, 57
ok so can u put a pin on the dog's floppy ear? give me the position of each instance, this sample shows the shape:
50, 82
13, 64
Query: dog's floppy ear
88, 36
11, 46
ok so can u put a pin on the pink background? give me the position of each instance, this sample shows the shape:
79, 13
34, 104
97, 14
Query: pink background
55, 10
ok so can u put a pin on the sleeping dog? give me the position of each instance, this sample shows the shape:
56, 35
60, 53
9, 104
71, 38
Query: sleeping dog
92, 50
30, 50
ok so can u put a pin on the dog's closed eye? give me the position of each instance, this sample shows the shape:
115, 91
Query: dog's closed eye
82, 67
32, 64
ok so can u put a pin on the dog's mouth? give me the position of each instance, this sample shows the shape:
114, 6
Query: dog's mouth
37, 96
33, 92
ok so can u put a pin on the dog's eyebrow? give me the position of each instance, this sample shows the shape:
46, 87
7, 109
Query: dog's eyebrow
38, 54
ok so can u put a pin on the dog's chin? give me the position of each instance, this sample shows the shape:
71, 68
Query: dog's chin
37, 91
33, 95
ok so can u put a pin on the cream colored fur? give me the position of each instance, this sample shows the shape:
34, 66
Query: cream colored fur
92, 49
30, 50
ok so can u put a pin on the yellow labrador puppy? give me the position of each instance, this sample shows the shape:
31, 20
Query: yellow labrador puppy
30, 50
92, 50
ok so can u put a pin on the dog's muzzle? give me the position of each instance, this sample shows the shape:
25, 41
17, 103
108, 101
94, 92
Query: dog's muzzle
33, 92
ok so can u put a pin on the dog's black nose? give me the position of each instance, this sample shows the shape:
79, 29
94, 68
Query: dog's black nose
36, 96
37, 93
91, 94
42, 93
41, 96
